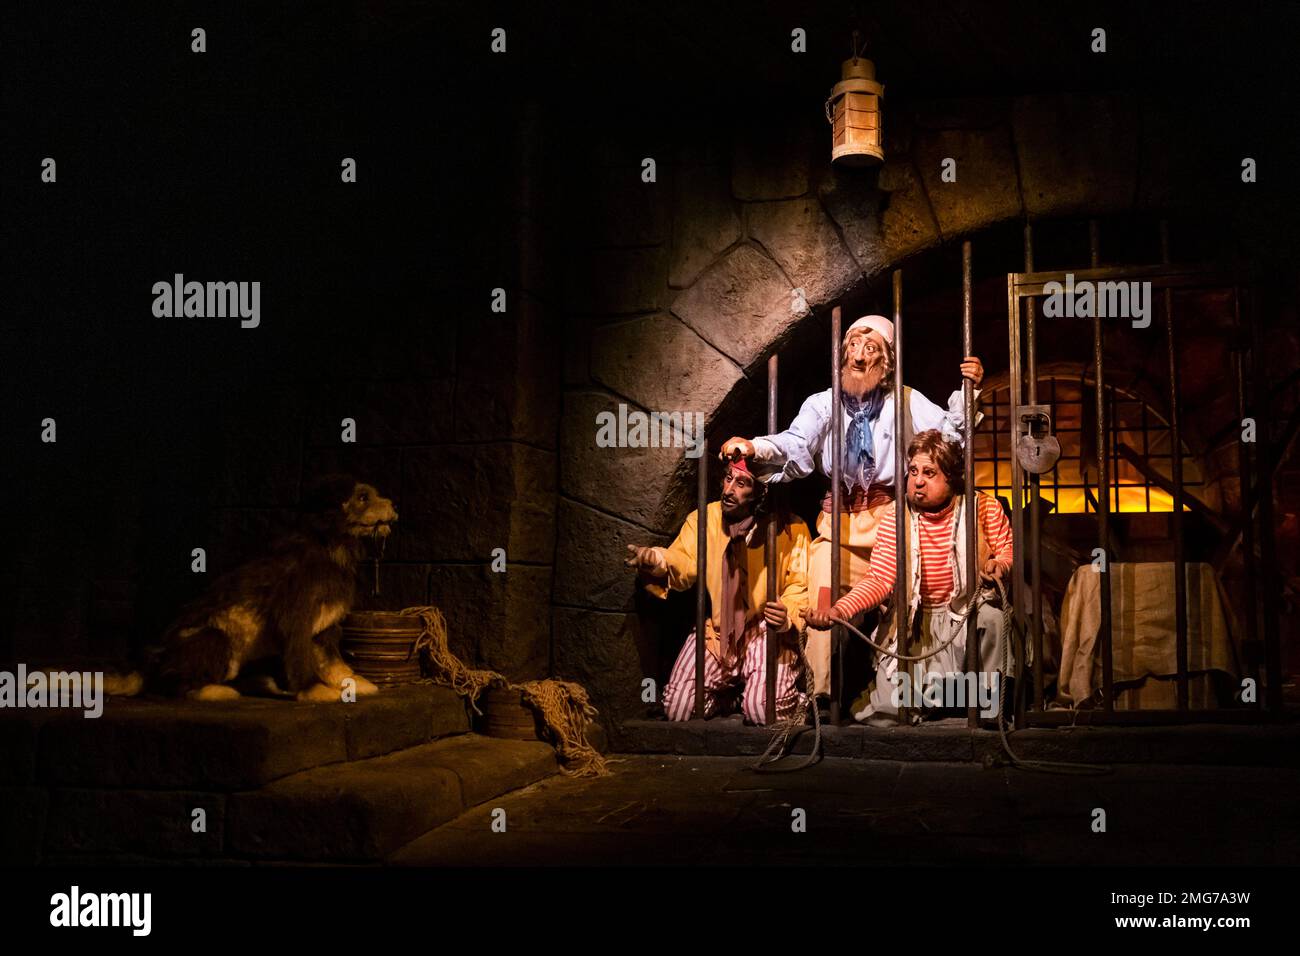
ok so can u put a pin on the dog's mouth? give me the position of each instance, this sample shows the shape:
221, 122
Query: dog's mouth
372, 529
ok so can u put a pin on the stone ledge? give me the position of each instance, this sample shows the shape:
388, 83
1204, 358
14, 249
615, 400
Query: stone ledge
145, 822
152, 743
83, 860
951, 741
1216, 744
365, 809
402, 717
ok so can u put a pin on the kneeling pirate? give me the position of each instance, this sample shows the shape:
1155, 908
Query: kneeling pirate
938, 592
736, 635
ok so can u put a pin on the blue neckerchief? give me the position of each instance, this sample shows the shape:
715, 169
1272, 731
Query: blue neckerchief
859, 449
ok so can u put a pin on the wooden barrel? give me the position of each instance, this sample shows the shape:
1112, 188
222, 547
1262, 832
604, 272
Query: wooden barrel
506, 715
379, 645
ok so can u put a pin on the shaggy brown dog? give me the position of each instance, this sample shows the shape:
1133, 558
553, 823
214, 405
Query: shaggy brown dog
285, 604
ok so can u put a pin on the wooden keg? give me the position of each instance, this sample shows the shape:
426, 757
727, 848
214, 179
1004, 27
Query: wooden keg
506, 715
379, 645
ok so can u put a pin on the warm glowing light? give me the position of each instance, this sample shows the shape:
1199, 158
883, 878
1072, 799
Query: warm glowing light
853, 110
1134, 426
1131, 498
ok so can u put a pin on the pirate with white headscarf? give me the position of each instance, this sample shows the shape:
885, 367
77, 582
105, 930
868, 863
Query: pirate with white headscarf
868, 429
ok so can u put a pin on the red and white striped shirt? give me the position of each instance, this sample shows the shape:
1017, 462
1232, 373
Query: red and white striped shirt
935, 531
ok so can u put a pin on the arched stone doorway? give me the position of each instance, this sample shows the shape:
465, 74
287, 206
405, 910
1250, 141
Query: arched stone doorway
742, 254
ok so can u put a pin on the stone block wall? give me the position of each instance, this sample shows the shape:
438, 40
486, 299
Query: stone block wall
456, 411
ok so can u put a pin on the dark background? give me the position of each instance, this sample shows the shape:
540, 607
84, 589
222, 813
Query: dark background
225, 166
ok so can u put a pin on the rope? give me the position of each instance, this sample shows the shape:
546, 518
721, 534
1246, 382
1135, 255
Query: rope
563, 706
956, 632
566, 711
446, 667
1008, 621
788, 726
1040, 766
795, 721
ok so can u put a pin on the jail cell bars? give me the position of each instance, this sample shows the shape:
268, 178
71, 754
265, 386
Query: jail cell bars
1025, 489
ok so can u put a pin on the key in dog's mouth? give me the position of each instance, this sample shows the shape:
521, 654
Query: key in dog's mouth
367, 514
372, 529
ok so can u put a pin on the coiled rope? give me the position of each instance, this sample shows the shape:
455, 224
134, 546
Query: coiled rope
788, 726
766, 763
563, 706
984, 595
1064, 767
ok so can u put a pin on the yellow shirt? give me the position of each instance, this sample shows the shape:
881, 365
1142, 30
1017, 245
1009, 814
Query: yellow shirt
792, 567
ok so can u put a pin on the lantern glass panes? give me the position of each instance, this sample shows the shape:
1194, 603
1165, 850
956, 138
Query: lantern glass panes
853, 111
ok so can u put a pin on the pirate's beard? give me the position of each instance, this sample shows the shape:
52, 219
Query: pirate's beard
859, 383
733, 510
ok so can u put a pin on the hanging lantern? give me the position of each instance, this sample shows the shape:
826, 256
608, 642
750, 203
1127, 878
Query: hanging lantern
853, 111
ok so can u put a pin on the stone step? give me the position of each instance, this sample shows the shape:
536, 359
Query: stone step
347, 812
363, 810
153, 743
1269, 745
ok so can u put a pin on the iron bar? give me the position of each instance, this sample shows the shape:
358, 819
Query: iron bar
993, 444
1267, 527
1017, 478
973, 662
1160, 277
1056, 474
1176, 465
773, 640
1181, 276
1035, 491
837, 507
1246, 478
1103, 485
1146, 454
701, 577
1143, 467
902, 580
1029, 284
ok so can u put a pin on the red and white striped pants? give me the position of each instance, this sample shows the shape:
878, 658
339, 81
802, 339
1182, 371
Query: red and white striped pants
746, 679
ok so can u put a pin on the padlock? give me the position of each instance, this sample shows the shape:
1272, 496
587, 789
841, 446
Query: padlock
1037, 449
1037, 455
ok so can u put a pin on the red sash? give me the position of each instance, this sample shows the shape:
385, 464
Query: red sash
861, 499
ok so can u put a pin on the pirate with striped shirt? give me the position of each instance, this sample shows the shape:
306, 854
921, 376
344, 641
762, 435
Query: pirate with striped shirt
936, 558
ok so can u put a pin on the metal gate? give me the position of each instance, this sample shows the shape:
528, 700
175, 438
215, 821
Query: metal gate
1022, 290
